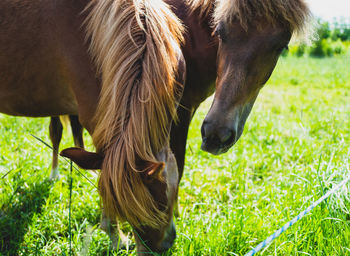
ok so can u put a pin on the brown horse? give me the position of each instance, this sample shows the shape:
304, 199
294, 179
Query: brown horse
118, 65
255, 33
235, 43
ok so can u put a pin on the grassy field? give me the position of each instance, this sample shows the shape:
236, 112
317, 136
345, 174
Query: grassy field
295, 147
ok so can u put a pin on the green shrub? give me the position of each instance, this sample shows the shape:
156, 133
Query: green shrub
327, 48
320, 48
333, 39
297, 50
300, 50
338, 47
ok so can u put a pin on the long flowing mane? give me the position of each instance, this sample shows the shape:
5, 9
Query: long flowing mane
294, 14
135, 46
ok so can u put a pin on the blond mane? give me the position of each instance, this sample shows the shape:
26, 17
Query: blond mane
294, 14
203, 7
135, 44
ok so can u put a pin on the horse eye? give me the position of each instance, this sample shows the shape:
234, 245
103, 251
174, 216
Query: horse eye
219, 31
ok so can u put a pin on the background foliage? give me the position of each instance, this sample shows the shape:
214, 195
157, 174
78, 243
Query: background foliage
333, 38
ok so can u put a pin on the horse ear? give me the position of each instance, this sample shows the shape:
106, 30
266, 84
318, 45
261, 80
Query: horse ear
84, 159
154, 170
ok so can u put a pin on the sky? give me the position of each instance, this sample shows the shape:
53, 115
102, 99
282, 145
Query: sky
328, 9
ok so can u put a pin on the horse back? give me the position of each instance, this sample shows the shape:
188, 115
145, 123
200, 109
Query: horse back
44, 62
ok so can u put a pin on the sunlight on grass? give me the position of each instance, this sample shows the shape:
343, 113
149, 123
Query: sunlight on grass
295, 147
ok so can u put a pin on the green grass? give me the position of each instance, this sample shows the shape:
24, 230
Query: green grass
296, 146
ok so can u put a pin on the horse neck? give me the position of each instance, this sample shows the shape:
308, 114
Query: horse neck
200, 50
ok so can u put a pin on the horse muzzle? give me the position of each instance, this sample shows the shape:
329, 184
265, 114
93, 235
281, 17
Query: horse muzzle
220, 131
169, 238
218, 140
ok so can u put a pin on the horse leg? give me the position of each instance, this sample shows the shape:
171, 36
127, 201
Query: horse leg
55, 136
77, 131
119, 240
178, 139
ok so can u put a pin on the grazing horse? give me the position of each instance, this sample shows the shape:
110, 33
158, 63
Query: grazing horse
118, 65
235, 43
55, 130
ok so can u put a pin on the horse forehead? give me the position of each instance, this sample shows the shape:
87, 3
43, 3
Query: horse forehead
162, 155
261, 31
166, 156
171, 169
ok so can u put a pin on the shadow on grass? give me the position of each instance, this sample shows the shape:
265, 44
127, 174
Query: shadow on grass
17, 211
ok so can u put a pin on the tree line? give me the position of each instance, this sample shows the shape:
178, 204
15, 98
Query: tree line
332, 38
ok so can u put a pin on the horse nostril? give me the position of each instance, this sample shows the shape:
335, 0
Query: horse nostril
207, 129
213, 134
225, 135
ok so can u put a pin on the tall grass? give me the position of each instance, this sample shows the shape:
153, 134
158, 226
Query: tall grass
294, 148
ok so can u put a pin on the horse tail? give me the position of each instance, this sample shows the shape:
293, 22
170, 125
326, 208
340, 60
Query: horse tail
135, 44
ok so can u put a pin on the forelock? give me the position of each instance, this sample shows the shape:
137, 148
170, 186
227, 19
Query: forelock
294, 15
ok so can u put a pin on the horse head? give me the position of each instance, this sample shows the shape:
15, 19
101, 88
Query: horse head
160, 179
136, 47
251, 38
